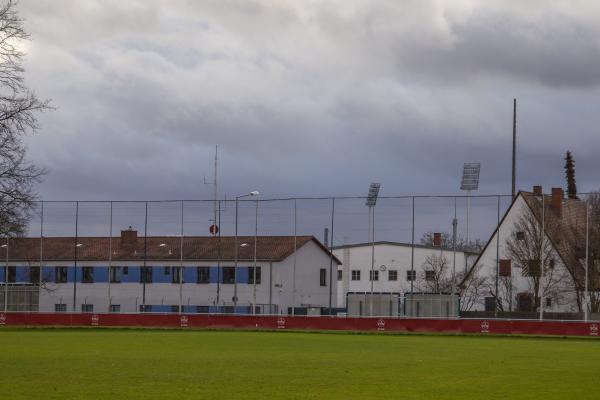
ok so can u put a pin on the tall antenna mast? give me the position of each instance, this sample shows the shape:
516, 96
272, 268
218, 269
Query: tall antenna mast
214, 228
514, 150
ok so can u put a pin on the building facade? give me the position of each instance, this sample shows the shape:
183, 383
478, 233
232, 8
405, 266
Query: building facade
168, 274
400, 268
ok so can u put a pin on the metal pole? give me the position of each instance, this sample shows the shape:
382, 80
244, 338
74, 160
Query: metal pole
110, 230
254, 269
218, 254
514, 151
468, 212
145, 274
76, 254
454, 227
412, 256
541, 289
41, 253
587, 261
294, 266
181, 263
235, 263
497, 258
6, 276
371, 272
372, 255
331, 255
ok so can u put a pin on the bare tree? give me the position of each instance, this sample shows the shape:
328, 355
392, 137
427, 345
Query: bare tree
475, 246
593, 203
435, 276
532, 253
473, 289
19, 108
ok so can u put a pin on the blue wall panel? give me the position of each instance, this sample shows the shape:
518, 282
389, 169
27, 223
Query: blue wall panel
159, 276
190, 274
214, 275
48, 274
2, 275
133, 275
23, 274
101, 274
242, 274
71, 275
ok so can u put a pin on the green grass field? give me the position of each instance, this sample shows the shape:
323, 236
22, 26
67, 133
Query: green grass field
174, 364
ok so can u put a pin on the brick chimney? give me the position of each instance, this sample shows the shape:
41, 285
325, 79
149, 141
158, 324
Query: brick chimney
437, 239
557, 200
537, 190
128, 237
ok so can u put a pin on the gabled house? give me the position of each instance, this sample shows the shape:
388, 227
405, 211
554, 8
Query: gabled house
534, 259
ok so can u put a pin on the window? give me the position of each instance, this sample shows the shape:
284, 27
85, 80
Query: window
533, 268
61, 307
251, 275
34, 274
60, 274
203, 275
115, 274
520, 235
392, 275
356, 275
175, 309
490, 304
125, 270
505, 268
202, 309
228, 275
411, 275
548, 301
146, 275
340, 274
115, 308
323, 277
87, 308
176, 275
12, 274
87, 275
167, 270
373, 275
524, 302
429, 275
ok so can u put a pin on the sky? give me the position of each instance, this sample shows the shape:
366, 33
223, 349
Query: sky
310, 98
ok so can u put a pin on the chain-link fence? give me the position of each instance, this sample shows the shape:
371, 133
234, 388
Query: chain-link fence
414, 256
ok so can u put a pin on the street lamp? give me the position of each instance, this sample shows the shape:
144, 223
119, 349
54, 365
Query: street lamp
235, 263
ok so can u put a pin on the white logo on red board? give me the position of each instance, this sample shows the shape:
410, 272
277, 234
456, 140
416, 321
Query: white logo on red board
2, 319
594, 330
485, 327
280, 323
381, 325
95, 319
183, 321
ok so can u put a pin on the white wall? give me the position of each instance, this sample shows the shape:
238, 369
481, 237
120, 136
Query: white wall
394, 257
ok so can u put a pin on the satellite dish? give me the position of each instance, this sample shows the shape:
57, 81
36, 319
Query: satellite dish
382, 268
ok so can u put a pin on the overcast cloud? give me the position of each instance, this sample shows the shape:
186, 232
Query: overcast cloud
310, 97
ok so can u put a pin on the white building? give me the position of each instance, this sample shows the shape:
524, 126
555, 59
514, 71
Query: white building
399, 268
160, 274
508, 273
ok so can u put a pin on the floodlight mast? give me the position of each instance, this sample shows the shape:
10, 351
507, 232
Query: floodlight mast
470, 181
371, 201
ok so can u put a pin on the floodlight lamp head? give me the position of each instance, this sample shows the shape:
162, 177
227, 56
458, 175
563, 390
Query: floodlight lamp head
254, 193
373, 193
470, 177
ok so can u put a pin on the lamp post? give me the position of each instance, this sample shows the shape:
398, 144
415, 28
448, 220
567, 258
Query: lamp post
254, 269
371, 201
235, 262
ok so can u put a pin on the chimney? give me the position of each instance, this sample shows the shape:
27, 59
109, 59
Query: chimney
537, 190
326, 237
437, 239
128, 237
557, 200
